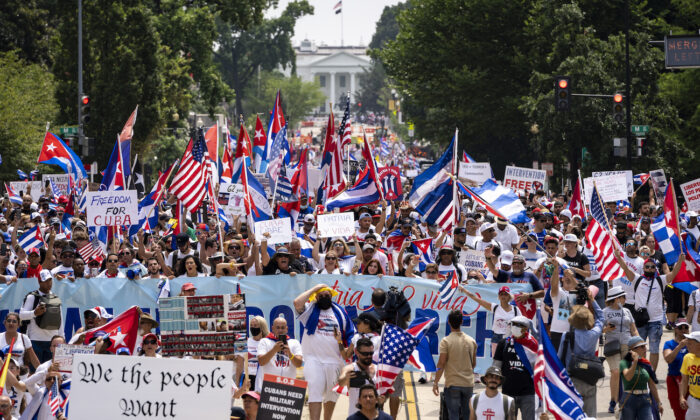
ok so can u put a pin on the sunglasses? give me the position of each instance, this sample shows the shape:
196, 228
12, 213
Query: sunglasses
150, 342
339, 245
112, 261
236, 247
365, 353
650, 267
94, 264
518, 263
431, 272
331, 258
683, 327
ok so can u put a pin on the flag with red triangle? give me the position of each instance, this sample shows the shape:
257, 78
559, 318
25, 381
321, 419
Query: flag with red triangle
121, 332
576, 206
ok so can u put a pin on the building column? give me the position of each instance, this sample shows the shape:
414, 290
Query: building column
331, 80
352, 87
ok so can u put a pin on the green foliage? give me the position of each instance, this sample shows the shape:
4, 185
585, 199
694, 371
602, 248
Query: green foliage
27, 26
27, 102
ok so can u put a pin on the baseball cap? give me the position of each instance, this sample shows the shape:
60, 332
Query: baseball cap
691, 213
520, 320
45, 275
188, 286
365, 247
486, 226
33, 250
504, 289
446, 248
637, 341
570, 237
681, 321
518, 258
406, 222
365, 215
100, 311
506, 258
309, 218
565, 213
35, 215
151, 335
460, 230
367, 318
252, 394
123, 350
695, 335
54, 221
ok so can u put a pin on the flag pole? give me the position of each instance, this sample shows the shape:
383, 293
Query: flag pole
160, 194
455, 165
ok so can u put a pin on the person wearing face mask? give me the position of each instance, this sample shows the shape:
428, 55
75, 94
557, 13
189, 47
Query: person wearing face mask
648, 293
327, 330
518, 373
258, 331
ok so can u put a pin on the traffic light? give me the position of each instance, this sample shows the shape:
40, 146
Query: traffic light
85, 109
90, 146
640, 146
562, 93
618, 108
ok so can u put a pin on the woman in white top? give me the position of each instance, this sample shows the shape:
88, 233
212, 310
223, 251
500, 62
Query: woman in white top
345, 259
190, 266
258, 331
22, 343
503, 312
330, 264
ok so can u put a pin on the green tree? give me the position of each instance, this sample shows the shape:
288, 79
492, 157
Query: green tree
27, 26
27, 102
263, 47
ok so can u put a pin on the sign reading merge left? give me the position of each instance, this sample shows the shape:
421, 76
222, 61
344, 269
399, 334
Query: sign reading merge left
112, 208
145, 387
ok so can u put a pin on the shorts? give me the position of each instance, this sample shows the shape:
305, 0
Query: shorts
614, 360
676, 303
321, 378
653, 330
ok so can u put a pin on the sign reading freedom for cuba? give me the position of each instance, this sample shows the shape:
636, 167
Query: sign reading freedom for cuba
272, 296
112, 208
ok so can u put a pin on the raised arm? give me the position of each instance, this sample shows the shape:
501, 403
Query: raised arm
301, 300
676, 269
629, 273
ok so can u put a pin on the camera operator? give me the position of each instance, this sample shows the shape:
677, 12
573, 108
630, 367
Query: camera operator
358, 373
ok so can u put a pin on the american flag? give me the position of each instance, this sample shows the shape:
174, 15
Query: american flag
449, 287
91, 250
55, 399
284, 185
335, 179
600, 241
396, 347
189, 183
279, 155
344, 129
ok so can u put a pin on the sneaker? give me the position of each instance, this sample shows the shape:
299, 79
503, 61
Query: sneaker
670, 326
611, 409
422, 380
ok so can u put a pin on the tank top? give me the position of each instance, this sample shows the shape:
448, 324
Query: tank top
489, 408
21, 344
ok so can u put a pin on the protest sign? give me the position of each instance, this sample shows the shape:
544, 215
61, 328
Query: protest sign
203, 325
629, 177
313, 178
280, 230
477, 172
335, 224
411, 173
112, 208
658, 181
61, 181
63, 355
21, 186
524, 178
231, 199
147, 387
691, 193
281, 398
390, 179
472, 259
610, 187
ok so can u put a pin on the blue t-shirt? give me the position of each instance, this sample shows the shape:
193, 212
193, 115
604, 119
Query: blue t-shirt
525, 277
674, 368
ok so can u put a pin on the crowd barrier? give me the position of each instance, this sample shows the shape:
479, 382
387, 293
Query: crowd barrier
272, 296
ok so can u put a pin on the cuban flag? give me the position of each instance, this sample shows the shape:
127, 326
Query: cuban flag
422, 358
423, 248
257, 205
22, 175
289, 209
300, 178
31, 239
276, 125
449, 287
466, 158
498, 200
306, 246
666, 239
33, 174
12, 195
114, 177
688, 278
259, 139
394, 241
364, 192
640, 179
241, 159
55, 152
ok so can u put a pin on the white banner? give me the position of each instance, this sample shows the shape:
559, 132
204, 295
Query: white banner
335, 224
146, 387
518, 179
61, 181
280, 230
691, 193
472, 259
610, 187
21, 186
112, 208
477, 172
629, 177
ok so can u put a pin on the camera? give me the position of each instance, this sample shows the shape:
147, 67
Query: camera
360, 378
581, 293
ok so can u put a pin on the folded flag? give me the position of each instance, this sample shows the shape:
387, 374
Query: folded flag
498, 200
666, 239
424, 249
12, 195
31, 239
449, 287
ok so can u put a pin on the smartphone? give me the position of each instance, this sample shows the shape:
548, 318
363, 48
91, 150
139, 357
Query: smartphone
282, 338
3, 249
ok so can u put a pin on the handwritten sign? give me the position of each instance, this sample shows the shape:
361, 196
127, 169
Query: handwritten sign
281, 398
472, 259
629, 177
280, 230
61, 181
231, 199
112, 208
63, 355
335, 224
146, 387
528, 179
691, 192
477, 172
610, 187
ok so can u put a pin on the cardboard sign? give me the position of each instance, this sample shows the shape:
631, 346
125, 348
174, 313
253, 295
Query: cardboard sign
610, 187
390, 178
203, 325
281, 398
332, 225
691, 193
21, 186
112, 208
280, 230
472, 259
63, 355
477, 172
146, 387
61, 181
528, 179
628, 176
658, 181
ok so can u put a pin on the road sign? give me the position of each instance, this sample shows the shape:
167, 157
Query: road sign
68, 131
682, 52
640, 129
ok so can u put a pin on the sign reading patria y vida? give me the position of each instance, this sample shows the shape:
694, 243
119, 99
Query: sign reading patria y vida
112, 208
335, 224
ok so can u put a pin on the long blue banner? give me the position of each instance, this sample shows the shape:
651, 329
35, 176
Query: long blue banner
272, 296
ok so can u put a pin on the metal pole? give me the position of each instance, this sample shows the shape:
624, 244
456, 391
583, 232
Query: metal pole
628, 101
81, 134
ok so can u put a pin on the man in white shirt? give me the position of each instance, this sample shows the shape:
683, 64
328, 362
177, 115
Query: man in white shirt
65, 270
692, 227
34, 309
632, 258
506, 234
183, 250
472, 232
488, 237
491, 404
278, 354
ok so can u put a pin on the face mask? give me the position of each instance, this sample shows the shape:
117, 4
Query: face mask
324, 302
254, 331
650, 274
516, 331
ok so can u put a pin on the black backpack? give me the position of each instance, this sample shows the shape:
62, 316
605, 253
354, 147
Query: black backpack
51, 319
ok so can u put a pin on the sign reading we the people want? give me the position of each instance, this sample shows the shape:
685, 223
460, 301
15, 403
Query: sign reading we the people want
147, 387
477, 172
335, 224
112, 208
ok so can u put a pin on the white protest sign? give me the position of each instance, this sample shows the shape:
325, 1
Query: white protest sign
112, 208
63, 355
61, 181
147, 387
472, 259
21, 186
411, 173
691, 193
528, 179
231, 199
610, 187
658, 181
280, 230
314, 179
628, 176
335, 224
477, 172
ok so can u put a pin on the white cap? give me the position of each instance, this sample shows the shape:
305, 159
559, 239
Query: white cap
45, 275
309, 218
565, 212
506, 258
486, 226
695, 335
35, 215
570, 237
691, 213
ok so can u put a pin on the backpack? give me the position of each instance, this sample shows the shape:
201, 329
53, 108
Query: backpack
51, 319
506, 404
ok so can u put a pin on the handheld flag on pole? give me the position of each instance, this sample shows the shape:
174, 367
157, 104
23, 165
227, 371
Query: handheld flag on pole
55, 152
6, 366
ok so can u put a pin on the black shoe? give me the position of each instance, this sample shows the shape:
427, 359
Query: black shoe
670, 326
611, 409
422, 380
